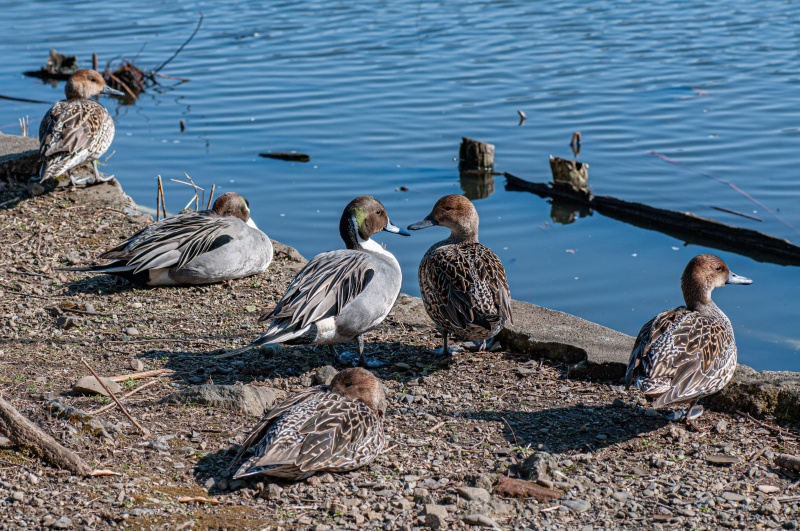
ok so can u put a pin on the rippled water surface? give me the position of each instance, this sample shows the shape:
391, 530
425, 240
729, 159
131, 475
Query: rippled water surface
380, 94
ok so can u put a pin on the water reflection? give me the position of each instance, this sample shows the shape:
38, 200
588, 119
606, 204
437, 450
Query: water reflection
476, 184
566, 212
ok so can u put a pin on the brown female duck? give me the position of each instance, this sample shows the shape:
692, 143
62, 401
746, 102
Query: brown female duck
463, 283
76, 130
333, 429
689, 352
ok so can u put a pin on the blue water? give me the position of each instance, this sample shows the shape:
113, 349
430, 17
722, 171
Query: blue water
380, 94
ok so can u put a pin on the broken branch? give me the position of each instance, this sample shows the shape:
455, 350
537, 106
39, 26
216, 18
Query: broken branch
25, 433
144, 430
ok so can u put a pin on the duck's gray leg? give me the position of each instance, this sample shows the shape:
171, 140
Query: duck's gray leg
97, 174
446, 350
687, 415
354, 360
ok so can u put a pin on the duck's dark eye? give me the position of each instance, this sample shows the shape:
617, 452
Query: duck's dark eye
719, 268
379, 212
448, 208
348, 384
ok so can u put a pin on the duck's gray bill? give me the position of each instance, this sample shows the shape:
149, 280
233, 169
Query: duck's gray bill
113, 92
424, 224
736, 279
395, 229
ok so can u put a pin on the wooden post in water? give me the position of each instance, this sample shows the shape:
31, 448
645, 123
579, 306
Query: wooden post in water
570, 173
475, 155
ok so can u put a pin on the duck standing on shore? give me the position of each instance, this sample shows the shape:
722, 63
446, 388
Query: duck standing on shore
76, 130
689, 352
340, 295
463, 283
324, 429
193, 248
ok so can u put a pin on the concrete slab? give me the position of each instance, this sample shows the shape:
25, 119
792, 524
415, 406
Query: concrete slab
19, 157
598, 353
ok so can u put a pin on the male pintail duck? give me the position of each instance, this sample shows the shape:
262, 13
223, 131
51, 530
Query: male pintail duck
340, 295
334, 429
463, 283
689, 352
192, 248
76, 130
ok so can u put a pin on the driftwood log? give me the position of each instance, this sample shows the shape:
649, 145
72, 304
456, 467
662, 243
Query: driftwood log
25, 433
681, 225
475, 155
790, 462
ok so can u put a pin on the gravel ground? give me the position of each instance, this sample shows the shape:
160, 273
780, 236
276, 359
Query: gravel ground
459, 430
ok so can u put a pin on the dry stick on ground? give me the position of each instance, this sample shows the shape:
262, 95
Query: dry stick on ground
123, 397
25, 433
143, 374
144, 430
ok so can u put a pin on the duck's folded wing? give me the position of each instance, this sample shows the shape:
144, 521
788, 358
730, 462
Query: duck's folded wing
644, 360
323, 287
256, 437
472, 284
174, 242
334, 436
68, 127
699, 344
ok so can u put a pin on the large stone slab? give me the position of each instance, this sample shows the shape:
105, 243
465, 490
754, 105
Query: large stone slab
246, 398
775, 393
597, 352
19, 156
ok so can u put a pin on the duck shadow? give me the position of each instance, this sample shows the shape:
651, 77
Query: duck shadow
578, 428
404, 362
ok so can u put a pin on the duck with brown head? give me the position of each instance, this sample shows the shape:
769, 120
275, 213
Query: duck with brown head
462, 282
333, 429
192, 248
76, 130
689, 352
340, 295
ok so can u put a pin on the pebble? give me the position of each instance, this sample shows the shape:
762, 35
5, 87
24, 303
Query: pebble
766, 489
325, 374
474, 494
435, 516
5, 442
131, 331
621, 496
18, 496
577, 506
90, 385
62, 523
137, 365
480, 520
732, 496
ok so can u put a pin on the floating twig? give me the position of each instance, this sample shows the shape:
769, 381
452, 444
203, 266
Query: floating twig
727, 183
179, 50
729, 211
144, 430
124, 85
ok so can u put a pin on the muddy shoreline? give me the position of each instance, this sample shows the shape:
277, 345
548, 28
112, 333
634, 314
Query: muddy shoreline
546, 408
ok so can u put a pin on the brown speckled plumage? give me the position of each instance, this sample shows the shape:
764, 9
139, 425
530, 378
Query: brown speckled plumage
688, 352
76, 130
462, 282
333, 429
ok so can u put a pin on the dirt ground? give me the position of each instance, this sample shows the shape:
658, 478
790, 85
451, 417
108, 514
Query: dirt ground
455, 427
